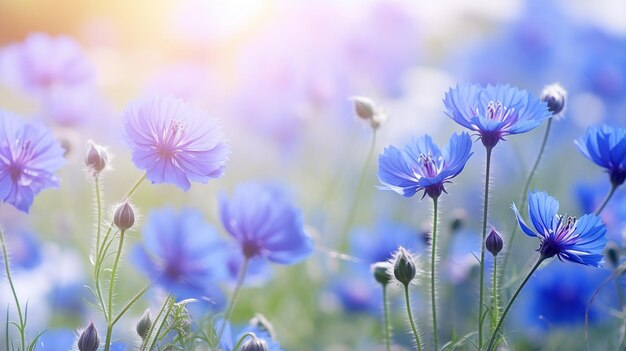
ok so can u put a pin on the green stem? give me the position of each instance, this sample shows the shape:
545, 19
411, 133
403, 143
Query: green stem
495, 308
358, 192
606, 199
130, 304
492, 341
146, 341
10, 279
163, 321
408, 310
524, 196
482, 250
386, 319
107, 344
433, 261
233, 299
99, 213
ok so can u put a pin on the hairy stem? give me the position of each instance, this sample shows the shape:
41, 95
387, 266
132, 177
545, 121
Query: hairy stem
494, 336
17, 301
482, 249
107, 344
495, 308
410, 315
386, 322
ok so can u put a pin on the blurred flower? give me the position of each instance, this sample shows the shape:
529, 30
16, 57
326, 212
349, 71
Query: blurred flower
556, 97
174, 142
495, 111
367, 109
265, 224
29, 156
43, 62
591, 195
259, 270
181, 253
228, 342
606, 147
24, 250
579, 240
55, 339
73, 106
422, 166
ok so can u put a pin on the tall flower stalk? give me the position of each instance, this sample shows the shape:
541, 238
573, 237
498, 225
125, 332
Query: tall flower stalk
233, 299
433, 279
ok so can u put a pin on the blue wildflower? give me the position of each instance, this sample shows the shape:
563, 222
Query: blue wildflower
495, 111
606, 147
29, 156
263, 221
421, 165
579, 240
181, 253
55, 339
174, 142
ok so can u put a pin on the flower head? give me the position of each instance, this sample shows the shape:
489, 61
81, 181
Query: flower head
420, 165
556, 97
29, 156
606, 147
181, 252
495, 111
174, 142
257, 337
265, 224
579, 240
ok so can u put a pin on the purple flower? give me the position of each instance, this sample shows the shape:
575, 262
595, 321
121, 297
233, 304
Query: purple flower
495, 111
420, 165
606, 147
263, 221
579, 240
29, 156
42, 62
174, 142
181, 253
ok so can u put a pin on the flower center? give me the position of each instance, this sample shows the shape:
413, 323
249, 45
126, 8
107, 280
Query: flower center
428, 167
22, 155
498, 112
174, 134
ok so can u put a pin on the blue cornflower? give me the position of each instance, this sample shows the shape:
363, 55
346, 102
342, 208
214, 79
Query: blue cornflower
495, 111
579, 240
420, 165
227, 342
29, 156
174, 142
606, 147
181, 253
265, 224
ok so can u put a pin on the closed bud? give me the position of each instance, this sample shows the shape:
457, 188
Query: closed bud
254, 344
494, 243
144, 324
124, 217
88, 340
403, 266
96, 158
364, 107
612, 254
556, 97
261, 323
381, 271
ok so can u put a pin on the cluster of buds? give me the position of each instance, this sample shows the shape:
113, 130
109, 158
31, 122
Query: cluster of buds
368, 110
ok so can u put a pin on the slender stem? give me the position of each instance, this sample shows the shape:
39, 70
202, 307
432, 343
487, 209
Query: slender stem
386, 319
233, 299
146, 341
107, 343
241, 340
99, 213
492, 341
358, 191
408, 311
524, 196
163, 320
10, 279
482, 249
495, 308
606, 199
130, 304
433, 261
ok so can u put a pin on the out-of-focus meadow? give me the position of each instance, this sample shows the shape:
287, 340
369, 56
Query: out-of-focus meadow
278, 77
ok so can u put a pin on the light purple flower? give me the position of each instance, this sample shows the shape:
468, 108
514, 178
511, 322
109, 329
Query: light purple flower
41, 62
174, 142
29, 156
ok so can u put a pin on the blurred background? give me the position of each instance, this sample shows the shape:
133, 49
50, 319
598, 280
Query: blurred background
278, 75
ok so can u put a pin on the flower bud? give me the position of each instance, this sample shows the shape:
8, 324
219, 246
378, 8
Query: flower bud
88, 340
261, 323
381, 271
404, 266
124, 217
364, 107
612, 254
96, 158
144, 324
459, 217
254, 344
555, 96
494, 243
